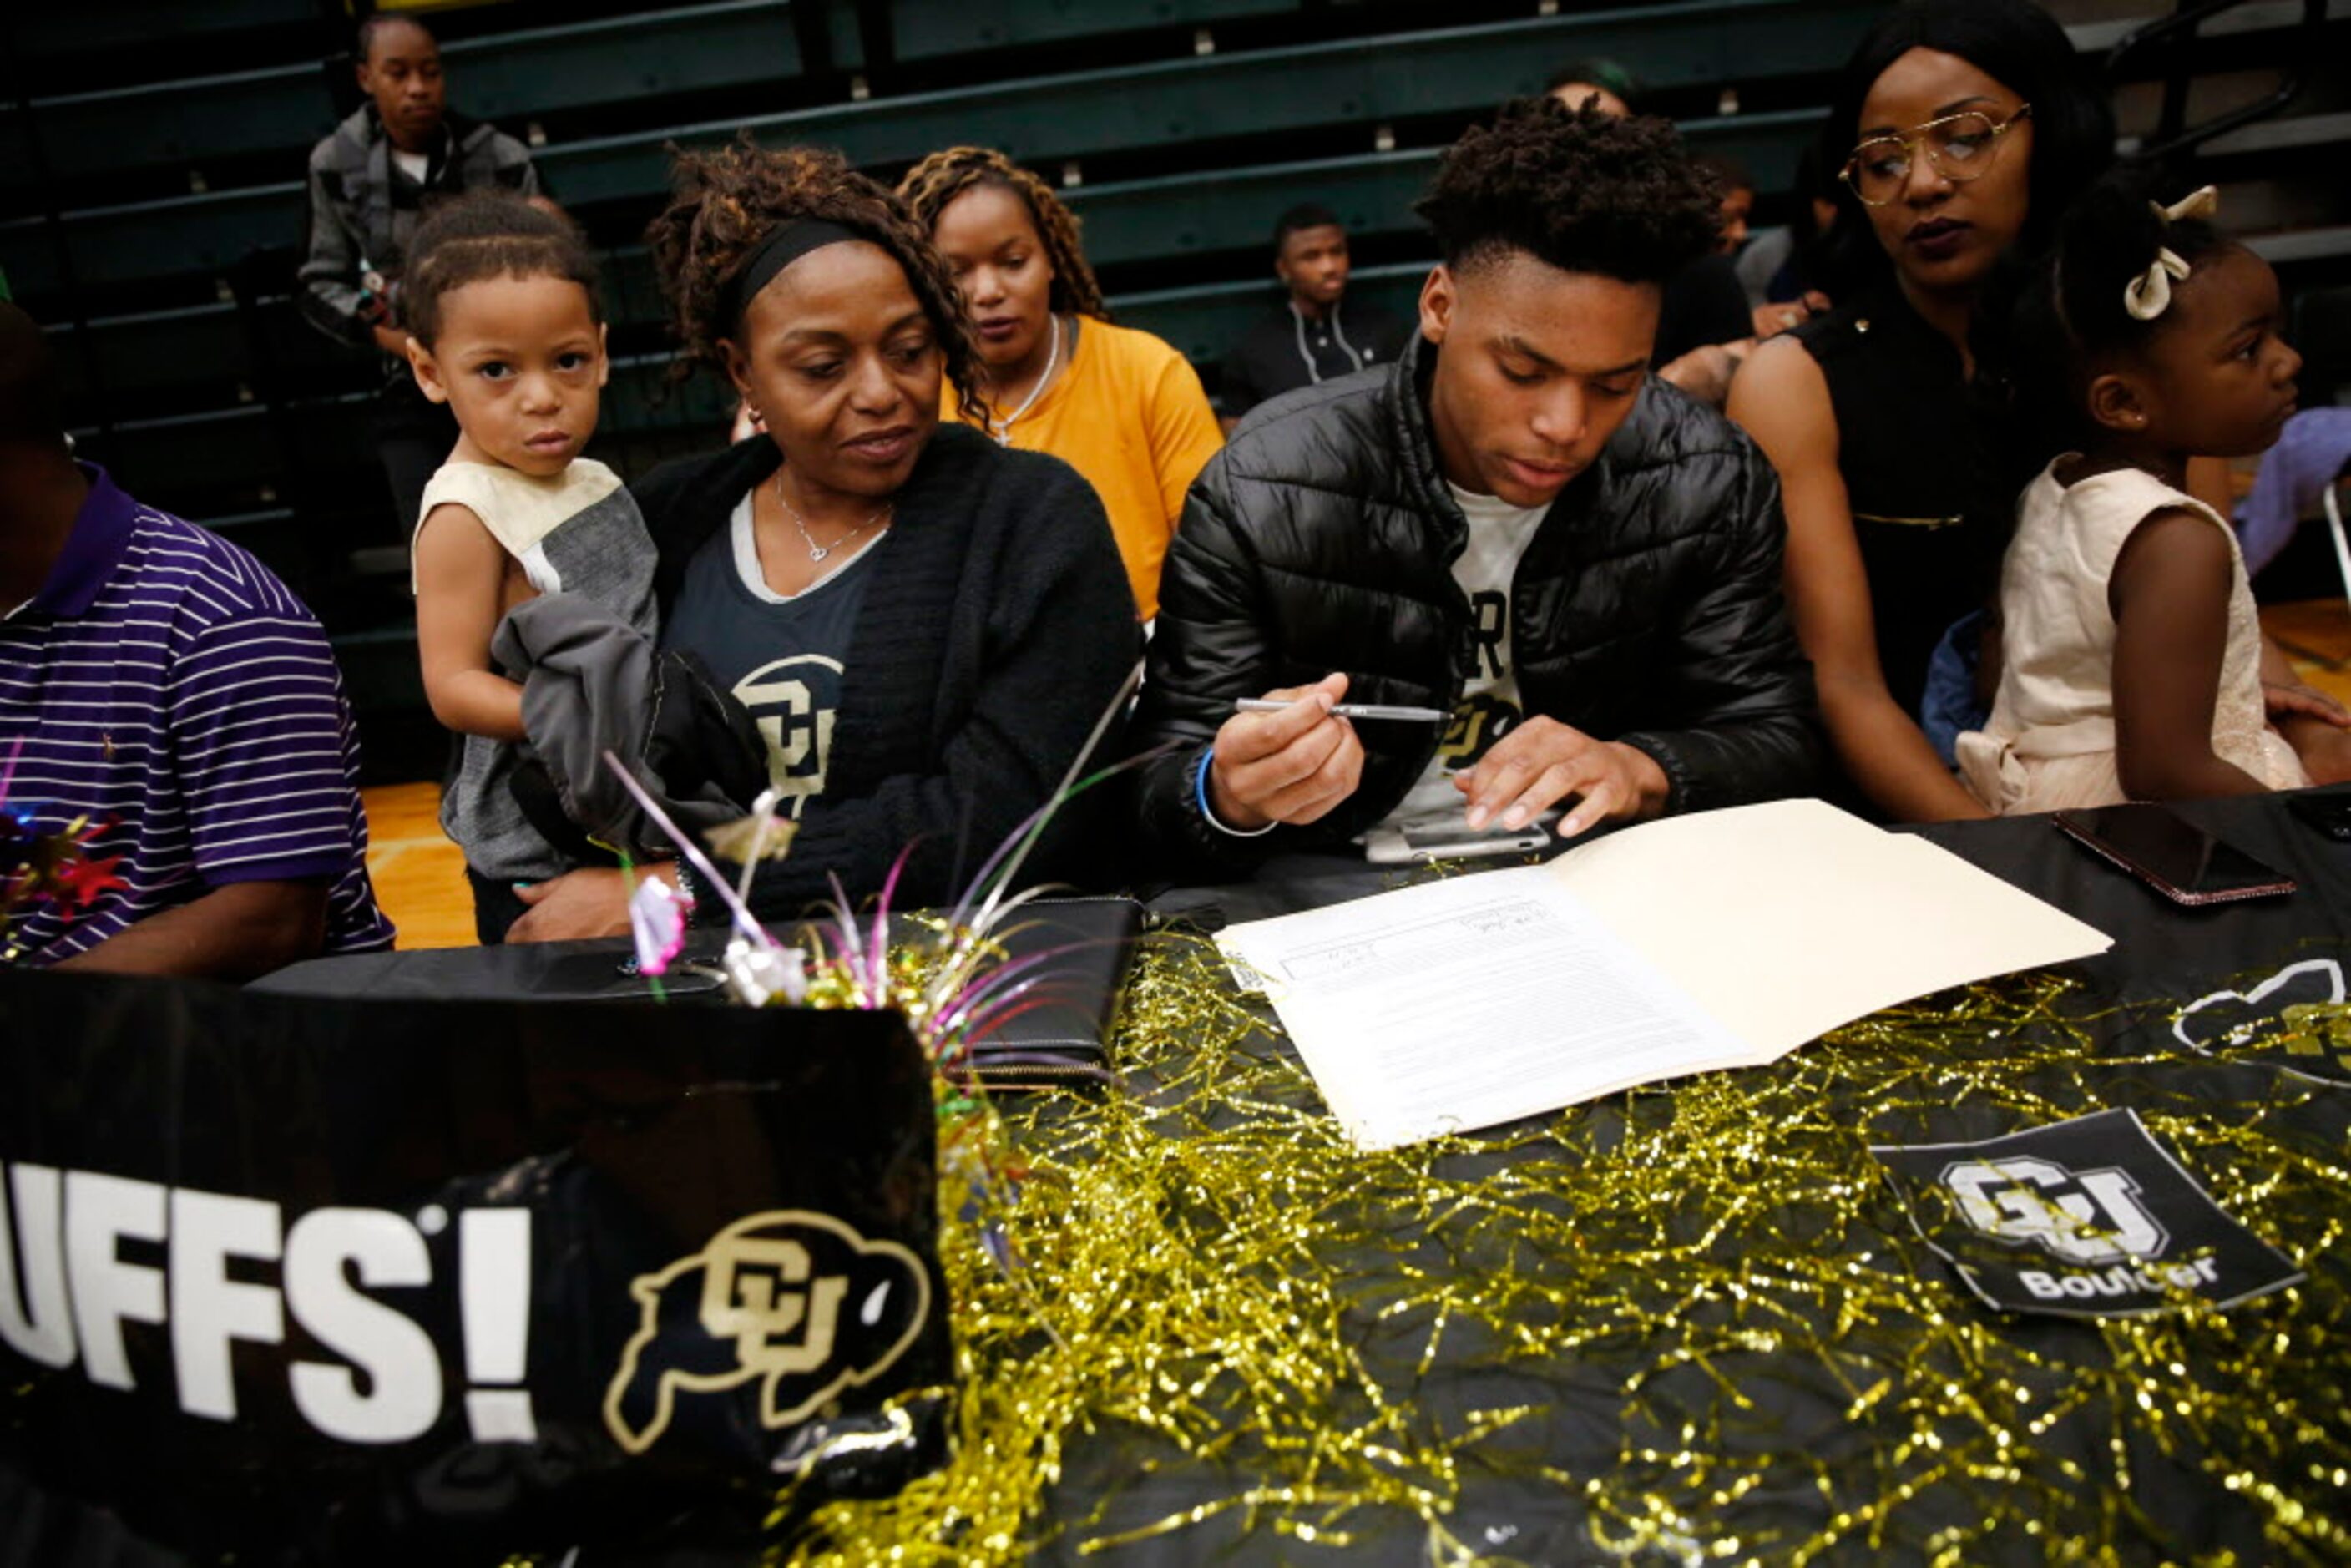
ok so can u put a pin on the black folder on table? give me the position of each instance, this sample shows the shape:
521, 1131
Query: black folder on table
1091, 941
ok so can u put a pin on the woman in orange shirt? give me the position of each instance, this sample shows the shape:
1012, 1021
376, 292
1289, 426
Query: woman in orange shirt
1119, 406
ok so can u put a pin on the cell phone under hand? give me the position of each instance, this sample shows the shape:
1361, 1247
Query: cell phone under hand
2172, 855
1451, 841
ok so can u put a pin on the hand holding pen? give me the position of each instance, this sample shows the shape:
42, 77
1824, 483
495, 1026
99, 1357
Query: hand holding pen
1289, 756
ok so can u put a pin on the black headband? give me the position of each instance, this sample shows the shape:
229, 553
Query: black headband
784, 243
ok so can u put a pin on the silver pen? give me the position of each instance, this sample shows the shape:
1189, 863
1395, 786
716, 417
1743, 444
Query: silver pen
1349, 710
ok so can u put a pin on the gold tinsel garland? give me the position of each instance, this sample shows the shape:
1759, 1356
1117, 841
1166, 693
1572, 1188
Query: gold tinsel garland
1700, 1310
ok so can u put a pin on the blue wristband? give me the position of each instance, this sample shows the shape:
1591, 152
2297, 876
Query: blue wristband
1200, 794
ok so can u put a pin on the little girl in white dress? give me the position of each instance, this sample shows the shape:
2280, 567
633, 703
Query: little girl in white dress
2131, 664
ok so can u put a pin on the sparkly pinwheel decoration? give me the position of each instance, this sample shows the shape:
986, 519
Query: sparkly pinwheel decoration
954, 990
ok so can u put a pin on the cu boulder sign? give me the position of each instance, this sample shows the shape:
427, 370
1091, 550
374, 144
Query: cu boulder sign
412, 1281
2090, 1217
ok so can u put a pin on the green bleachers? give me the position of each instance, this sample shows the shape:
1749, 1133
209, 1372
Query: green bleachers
1234, 210
939, 31
151, 242
1368, 81
194, 345
285, 109
1211, 214
220, 451
1454, 72
91, 135
216, 350
47, 31
666, 54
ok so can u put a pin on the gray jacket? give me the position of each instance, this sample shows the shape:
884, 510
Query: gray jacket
602, 569
363, 210
593, 683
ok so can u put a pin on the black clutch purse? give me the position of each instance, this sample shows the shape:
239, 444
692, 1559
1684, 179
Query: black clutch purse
1091, 944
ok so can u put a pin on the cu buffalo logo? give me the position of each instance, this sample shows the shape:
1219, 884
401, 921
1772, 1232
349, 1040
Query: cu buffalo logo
2296, 1020
798, 1301
2087, 1217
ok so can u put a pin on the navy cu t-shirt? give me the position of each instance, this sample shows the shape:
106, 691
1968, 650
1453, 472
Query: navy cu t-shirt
782, 658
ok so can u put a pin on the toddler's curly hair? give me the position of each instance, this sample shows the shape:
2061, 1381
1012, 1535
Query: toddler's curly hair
488, 234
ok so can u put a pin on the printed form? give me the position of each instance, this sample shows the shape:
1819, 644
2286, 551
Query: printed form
1723, 939
1463, 1003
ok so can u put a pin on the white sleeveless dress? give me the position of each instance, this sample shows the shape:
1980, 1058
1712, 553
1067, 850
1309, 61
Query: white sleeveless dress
2050, 743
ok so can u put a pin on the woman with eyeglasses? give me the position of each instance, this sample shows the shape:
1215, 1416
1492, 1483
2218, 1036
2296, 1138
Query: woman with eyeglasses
1962, 129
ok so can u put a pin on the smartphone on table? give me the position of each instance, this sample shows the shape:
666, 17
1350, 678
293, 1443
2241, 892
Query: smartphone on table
1419, 843
2172, 854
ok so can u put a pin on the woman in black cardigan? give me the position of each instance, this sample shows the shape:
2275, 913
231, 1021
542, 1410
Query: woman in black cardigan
924, 625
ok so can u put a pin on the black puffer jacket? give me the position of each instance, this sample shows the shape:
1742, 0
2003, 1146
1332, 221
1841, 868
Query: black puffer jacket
1647, 608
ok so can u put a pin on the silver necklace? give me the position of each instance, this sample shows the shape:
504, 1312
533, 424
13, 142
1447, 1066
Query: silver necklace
1002, 428
817, 552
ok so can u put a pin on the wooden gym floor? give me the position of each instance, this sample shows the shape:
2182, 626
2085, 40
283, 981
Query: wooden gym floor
419, 878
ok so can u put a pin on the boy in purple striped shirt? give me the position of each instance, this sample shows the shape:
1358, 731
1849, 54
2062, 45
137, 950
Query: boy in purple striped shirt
160, 682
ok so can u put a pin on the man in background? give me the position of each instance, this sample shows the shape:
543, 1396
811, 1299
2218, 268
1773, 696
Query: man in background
369, 182
159, 685
1308, 338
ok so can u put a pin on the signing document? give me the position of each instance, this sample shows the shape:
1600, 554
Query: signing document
1723, 939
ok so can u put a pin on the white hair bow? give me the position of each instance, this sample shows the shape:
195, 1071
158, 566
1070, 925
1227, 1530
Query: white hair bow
2148, 295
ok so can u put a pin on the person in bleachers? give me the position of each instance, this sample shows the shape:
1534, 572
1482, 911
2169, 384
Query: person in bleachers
1788, 269
1962, 129
370, 182
925, 623
160, 682
1705, 325
1601, 84
1575, 564
1057, 375
1737, 188
1312, 336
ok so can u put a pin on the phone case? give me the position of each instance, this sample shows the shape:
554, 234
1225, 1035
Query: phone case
1386, 846
2081, 834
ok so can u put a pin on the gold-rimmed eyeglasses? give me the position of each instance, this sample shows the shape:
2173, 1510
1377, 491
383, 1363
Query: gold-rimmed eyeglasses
1960, 146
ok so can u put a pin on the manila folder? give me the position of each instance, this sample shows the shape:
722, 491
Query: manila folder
1721, 939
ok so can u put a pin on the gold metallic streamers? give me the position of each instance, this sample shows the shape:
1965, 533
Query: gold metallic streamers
1683, 1324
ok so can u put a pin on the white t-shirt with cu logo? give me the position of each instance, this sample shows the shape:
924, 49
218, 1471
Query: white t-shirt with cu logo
1489, 707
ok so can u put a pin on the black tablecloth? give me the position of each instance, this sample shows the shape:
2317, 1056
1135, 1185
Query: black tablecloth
2161, 949
2163, 954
